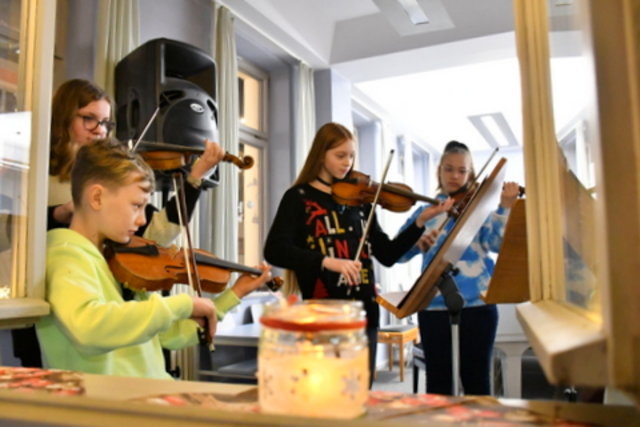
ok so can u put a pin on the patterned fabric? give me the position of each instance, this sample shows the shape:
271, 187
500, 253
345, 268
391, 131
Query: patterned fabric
310, 225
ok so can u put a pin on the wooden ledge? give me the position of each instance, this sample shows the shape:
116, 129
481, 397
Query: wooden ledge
571, 349
20, 312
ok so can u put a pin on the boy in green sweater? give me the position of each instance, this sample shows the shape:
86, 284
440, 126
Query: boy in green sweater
91, 327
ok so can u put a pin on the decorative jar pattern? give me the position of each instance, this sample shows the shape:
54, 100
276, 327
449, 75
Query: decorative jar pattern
313, 359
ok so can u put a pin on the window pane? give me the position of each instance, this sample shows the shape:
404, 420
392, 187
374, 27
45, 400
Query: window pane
9, 54
574, 106
250, 244
15, 139
250, 101
14, 170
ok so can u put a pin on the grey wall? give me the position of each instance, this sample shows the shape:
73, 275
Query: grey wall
369, 142
281, 138
189, 21
81, 39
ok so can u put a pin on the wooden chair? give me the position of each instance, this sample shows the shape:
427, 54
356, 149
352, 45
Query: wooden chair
418, 362
400, 335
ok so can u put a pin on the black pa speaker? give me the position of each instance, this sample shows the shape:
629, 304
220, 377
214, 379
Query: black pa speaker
178, 78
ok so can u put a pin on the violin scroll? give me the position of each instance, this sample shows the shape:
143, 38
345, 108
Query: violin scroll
246, 162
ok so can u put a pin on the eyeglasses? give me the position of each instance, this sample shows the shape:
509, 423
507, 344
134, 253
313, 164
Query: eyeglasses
90, 123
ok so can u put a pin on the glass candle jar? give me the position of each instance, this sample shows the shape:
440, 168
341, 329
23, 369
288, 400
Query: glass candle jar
313, 359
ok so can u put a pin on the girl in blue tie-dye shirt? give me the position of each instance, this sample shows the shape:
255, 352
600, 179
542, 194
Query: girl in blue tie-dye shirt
479, 321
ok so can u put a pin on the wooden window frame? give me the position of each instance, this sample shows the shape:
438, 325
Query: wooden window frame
35, 92
572, 347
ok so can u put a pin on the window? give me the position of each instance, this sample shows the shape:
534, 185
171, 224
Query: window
14, 152
422, 173
14, 172
253, 142
574, 104
251, 90
26, 68
583, 243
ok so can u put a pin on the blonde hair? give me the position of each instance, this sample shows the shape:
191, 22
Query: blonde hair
330, 135
108, 162
68, 99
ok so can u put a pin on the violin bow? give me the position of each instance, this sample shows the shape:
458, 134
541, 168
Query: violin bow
189, 255
146, 128
371, 212
493, 154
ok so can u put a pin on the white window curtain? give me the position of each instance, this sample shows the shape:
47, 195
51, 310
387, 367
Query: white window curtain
225, 196
305, 111
117, 35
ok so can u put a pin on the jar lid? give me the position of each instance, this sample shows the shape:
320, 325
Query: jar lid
316, 315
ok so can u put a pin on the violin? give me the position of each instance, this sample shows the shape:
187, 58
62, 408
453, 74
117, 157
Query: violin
465, 194
358, 189
462, 197
141, 264
162, 156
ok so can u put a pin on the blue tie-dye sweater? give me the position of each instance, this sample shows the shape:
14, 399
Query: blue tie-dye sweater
475, 266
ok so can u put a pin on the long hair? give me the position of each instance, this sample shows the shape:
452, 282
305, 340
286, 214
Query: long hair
110, 163
455, 147
329, 136
69, 98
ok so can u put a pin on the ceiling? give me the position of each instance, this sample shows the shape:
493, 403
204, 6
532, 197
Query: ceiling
455, 77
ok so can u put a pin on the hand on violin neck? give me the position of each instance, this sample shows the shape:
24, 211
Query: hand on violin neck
212, 155
247, 283
348, 268
433, 210
509, 195
204, 312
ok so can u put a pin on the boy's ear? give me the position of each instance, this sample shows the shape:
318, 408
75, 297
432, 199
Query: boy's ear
95, 196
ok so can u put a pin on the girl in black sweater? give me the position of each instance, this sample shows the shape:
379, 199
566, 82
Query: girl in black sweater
316, 238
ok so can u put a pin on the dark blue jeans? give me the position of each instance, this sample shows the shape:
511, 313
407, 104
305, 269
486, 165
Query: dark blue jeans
372, 337
477, 332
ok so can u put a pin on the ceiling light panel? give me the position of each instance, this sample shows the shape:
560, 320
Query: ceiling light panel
495, 129
417, 16
409, 17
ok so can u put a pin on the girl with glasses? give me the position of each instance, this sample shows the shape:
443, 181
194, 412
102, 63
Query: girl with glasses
80, 115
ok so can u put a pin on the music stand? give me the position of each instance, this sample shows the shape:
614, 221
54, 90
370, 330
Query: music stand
439, 273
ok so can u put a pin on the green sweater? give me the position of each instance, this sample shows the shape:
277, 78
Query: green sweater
92, 329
